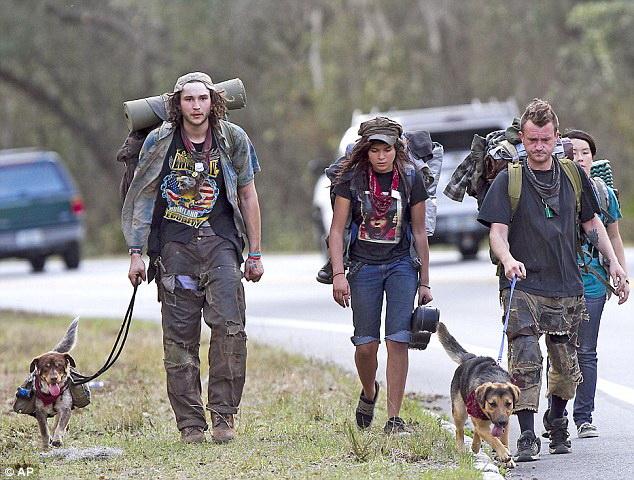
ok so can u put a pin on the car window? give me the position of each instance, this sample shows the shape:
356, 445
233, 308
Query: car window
30, 180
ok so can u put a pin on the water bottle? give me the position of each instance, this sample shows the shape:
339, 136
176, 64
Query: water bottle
24, 392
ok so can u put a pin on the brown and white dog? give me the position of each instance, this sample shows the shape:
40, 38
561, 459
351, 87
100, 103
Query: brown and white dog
482, 390
51, 373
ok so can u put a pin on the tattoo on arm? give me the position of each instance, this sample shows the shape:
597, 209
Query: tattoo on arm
593, 237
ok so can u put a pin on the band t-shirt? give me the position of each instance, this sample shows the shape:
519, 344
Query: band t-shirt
191, 194
545, 244
378, 239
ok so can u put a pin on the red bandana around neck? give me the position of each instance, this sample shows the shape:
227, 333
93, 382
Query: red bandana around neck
381, 203
47, 398
473, 408
189, 146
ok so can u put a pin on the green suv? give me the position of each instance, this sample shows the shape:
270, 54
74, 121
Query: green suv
41, 212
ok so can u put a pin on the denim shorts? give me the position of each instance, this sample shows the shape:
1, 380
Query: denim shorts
398, 280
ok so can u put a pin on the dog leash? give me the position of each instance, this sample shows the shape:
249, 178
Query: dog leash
79, 379
506, 318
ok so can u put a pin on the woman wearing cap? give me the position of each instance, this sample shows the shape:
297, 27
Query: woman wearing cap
377, 185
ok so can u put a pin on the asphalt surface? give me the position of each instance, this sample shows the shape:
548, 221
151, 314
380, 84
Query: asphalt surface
288, 308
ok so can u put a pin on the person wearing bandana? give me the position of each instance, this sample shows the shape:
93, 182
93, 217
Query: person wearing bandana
385, 196
538, 244
193, 202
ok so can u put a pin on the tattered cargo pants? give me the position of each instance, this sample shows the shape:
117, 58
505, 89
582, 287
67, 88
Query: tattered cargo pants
557, 318
217, 291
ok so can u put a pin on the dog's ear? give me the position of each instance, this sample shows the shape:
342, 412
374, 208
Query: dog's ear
481, 393
516, 392
33, 364
69, 359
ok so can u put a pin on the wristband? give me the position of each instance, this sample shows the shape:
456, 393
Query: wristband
133, 250
338, 273
423, 285
255, 255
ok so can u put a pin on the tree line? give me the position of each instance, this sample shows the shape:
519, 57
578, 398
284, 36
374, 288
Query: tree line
67, 67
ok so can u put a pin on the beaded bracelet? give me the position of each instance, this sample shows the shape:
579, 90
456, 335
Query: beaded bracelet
338, 273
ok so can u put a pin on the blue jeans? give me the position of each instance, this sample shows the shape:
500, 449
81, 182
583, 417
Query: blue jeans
587, 355
398, 280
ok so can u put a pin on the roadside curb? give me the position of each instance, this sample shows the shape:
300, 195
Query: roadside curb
482, 462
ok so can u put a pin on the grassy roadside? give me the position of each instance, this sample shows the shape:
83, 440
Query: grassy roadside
296, 417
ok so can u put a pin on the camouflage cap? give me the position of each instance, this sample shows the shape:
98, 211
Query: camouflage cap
382, 129
193, 77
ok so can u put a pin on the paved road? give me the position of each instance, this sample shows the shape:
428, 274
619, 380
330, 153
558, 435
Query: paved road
288, 308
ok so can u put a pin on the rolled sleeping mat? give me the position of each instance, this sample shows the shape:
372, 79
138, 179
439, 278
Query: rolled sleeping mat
145, 112
603, 169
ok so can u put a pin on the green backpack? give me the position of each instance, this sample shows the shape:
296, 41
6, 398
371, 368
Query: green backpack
515, 182
515, 191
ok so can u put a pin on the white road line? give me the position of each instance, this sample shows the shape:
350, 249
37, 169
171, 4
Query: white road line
615, 390
623, 393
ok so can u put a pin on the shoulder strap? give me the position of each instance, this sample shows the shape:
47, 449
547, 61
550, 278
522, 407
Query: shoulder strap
515, 184
572, 172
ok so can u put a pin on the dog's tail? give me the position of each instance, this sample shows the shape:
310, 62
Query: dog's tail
67, 342
451, 345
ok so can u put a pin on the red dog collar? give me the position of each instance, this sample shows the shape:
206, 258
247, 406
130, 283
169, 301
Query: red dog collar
47, 398
473, 408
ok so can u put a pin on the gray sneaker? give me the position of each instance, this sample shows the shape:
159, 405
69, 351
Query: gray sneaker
528, 446
587, 430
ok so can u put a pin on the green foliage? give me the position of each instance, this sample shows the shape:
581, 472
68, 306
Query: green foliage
295, 420
67, 67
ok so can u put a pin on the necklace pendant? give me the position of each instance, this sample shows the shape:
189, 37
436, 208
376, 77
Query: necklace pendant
548, 211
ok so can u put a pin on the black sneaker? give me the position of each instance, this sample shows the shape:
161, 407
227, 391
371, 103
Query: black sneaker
528, 446
396, 426
324, 275
559, 436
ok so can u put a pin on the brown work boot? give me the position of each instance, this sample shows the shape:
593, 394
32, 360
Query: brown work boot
223, 429
192, 435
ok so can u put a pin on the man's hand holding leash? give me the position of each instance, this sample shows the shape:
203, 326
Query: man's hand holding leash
513, 268
136, 274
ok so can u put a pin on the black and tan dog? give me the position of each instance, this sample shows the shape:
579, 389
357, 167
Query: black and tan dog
481, 389
51, 373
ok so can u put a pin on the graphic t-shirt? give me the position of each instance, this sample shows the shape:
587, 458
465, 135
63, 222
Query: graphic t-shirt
191, 193
381, 238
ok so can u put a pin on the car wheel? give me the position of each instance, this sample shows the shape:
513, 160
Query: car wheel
72, 256
469, 248
37, 263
